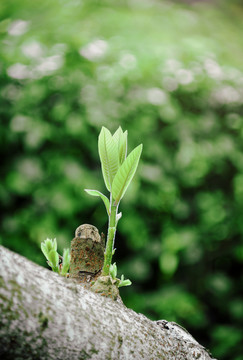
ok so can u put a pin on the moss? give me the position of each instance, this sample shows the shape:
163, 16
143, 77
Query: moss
120, 339
2, 283
84, 355
7, 305
94, 351
105, 286
43, 320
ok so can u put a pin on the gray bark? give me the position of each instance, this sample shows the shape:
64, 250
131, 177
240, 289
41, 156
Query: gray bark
46, 316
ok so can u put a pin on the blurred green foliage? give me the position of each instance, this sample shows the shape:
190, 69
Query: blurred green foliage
172, 75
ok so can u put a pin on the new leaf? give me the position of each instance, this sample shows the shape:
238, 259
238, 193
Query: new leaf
121, 140
125, 174
102, 196
108, 152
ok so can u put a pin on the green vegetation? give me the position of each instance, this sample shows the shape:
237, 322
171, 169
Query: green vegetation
54, 260
172, 75
118, 171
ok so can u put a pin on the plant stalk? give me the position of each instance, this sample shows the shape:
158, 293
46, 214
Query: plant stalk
110, 240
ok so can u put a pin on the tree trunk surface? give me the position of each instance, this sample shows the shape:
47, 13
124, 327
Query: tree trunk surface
46, 316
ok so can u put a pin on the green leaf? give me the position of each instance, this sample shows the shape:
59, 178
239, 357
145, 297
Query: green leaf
44, 250
121, 140
117, 135
125, 174
66, 262
102, 196
66, 256
108, 152
123, 148
123, 282
113, 271
47, 246
53, 258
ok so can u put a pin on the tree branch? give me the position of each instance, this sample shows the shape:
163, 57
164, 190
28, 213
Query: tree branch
46, 316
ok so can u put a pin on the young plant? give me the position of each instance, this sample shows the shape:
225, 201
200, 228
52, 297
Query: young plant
120, 282
118, 170
49, 249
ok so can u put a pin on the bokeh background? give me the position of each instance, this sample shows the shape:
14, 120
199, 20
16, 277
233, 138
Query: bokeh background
171, 73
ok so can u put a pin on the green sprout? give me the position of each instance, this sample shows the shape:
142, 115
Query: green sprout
118, 170
120, 282
49, 249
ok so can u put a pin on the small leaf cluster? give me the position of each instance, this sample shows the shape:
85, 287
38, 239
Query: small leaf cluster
118, 169
59, 264
120, 282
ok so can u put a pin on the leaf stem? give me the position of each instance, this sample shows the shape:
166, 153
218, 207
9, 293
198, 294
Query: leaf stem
110, 239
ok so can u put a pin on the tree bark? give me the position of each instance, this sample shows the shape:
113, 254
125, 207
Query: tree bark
46, 316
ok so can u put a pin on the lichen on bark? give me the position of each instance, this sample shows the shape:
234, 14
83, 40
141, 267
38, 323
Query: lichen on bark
87, 254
